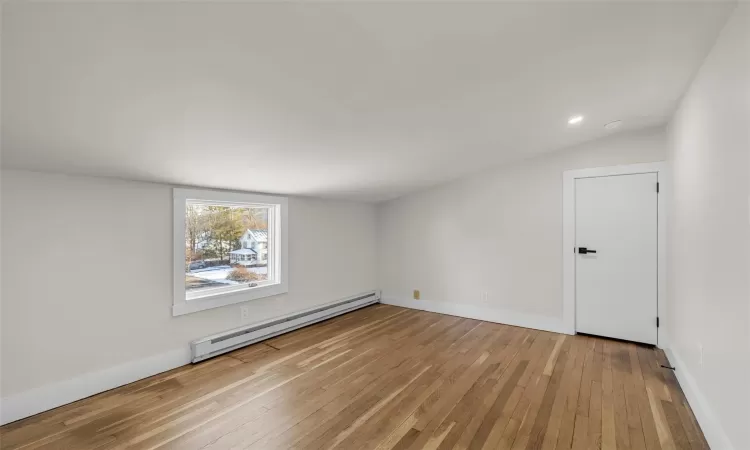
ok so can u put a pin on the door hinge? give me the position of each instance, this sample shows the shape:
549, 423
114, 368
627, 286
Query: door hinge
657, 187
657, 322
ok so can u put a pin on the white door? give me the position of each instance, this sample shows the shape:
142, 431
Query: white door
616, 287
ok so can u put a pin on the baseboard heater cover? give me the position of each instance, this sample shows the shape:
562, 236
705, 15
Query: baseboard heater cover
216, 344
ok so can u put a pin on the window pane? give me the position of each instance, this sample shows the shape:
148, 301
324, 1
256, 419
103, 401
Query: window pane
221, 243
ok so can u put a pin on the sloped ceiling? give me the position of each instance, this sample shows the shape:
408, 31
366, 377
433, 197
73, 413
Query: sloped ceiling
365, 101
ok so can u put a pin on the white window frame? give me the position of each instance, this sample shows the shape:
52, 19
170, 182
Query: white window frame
278, 262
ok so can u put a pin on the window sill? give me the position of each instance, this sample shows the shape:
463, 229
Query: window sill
227, 298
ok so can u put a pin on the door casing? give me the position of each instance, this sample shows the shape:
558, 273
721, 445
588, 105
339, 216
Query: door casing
569, 230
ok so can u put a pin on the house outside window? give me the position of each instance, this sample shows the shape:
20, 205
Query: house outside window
228, 248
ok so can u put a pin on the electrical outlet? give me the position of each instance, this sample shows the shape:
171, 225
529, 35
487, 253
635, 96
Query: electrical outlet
485, 296
416, 294
245, 312
700, 352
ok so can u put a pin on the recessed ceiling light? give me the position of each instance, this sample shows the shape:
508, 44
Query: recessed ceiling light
613, 125
575, 120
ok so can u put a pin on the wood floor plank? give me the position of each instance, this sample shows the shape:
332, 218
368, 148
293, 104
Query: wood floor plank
675, 425
319, 425
492, 417
648, 426
595, 416
529, 383
580, 432
571, 393
626, 378
464, 391
542, 423
472, 408
388, 378
693, 433
655, 392
387, 368
608, 401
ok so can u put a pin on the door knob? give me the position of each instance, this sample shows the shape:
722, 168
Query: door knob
584, 250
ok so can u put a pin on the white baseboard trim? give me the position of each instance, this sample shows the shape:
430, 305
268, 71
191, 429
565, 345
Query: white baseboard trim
27, 403
707, 419
506, 317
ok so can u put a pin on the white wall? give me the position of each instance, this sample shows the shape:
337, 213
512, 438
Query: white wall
709, 246
498, 232
87, 274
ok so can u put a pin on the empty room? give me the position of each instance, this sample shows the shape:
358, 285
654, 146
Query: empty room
375, 225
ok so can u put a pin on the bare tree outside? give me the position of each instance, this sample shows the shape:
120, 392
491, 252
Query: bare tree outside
225, 245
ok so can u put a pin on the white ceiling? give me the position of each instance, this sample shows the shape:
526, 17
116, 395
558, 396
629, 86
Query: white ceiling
365, 101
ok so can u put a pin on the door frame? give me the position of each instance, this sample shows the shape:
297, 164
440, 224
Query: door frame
569, 238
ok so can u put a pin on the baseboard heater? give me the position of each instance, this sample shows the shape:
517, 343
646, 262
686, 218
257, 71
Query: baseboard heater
214, 345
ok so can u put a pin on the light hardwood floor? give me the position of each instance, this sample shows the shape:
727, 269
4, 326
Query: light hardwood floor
390, 378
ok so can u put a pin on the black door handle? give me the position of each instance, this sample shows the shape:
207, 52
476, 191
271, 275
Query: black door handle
584, 250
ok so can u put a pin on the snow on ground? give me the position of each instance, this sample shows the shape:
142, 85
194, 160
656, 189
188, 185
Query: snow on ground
219, 273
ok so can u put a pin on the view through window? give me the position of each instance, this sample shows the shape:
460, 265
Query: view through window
225, 246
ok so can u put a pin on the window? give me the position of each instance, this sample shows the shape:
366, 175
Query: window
212, 267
